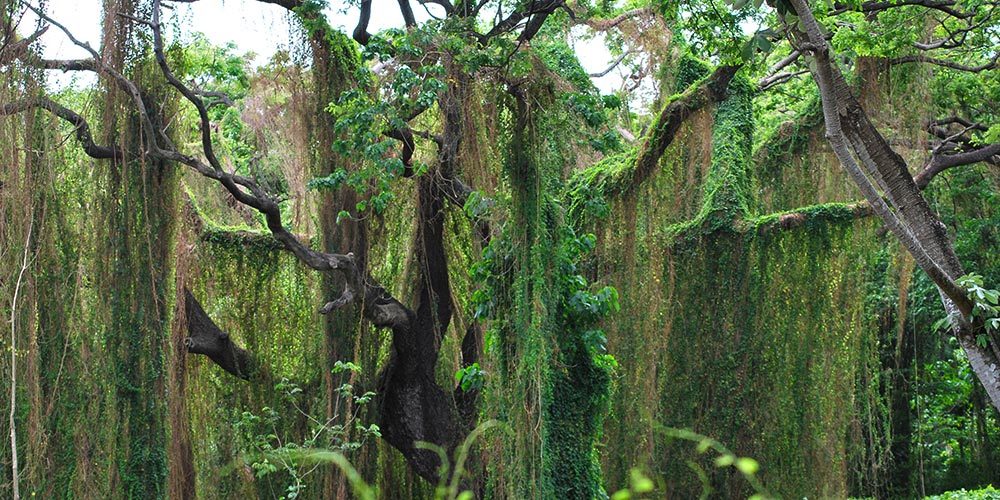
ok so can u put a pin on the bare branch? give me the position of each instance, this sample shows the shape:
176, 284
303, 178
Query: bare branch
614, 64
920, 58
777, 79
940, 163
81, 127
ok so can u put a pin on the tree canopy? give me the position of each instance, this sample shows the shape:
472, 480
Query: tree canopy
445, 260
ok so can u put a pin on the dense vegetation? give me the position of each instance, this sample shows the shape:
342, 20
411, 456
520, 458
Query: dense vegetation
436, 261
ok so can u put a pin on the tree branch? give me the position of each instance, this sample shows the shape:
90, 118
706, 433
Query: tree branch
361, 34
206, 338
515, 18
81, 127
940, 163
946, 6
407, 11
921, 58
707, 91
607, 24
614, 64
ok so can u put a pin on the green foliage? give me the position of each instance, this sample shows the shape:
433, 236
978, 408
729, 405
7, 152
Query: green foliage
470, 378
713, 28
294, 457
639, 485
987, 493
724, 458
986, 307
363, 119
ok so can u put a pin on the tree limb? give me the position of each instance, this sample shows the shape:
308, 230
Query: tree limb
206, 338
946, 6
921, 58
614, 64
607, 24
81, 127
707, 91
361, 34
940, 163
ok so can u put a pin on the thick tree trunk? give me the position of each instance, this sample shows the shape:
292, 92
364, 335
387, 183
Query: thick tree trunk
412, 407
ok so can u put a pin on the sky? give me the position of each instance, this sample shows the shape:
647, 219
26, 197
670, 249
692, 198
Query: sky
254, 27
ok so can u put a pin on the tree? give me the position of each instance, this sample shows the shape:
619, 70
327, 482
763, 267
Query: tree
419, 111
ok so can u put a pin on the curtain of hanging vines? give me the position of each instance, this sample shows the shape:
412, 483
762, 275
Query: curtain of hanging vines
28, 221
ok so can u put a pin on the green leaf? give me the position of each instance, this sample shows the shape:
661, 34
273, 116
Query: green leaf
747, 465
704, 445
641, 483
942, 324
764, 44
746, 53
724, 460
622, 495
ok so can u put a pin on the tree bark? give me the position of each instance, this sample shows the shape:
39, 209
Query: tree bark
925, 237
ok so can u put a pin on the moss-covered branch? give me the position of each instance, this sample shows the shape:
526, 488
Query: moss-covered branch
709, 90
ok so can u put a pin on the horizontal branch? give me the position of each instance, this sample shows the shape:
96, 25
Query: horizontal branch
81, 127
707, 91
778, 78
921, 58
221, 98
940, 163
826, 213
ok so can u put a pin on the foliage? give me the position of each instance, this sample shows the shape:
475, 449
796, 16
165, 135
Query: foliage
295, 457
987, 493
612, 307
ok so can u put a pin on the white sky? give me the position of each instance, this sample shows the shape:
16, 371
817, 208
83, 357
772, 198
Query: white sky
254, 27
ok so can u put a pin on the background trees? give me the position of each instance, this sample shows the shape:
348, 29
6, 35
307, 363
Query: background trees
455, 195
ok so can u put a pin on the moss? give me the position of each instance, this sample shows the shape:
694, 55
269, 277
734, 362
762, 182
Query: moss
545, 374
690, 69
241, 239
732, 324
812, 217
728, 187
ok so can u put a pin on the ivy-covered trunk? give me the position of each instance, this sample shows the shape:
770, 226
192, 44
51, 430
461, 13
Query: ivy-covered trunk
139, 213
548, 377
